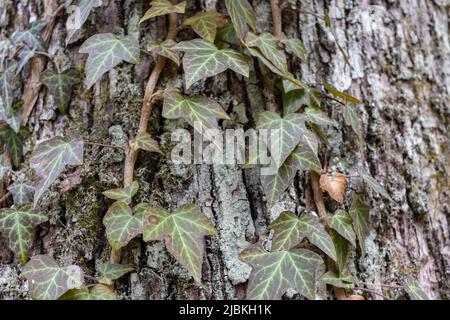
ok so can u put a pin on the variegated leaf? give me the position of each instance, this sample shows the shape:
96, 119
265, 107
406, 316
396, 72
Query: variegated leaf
242, 15
414, 291
341, 246
122, 225
51, 157
60, 86
22, 192
6, 87
296, 47
105, 52
4, 167
334, 279
268, 46
31, 37
351, 119
97, 292
145, 142
13, 143
25, 55
227, 34
165, 49
275, 272
294, 99
204, 24
183, 232
374, 185
111, 271
304, 157
203, 59
163, 7
342, 223
123, 194
13, 117
18, 225
319, 117
360, 216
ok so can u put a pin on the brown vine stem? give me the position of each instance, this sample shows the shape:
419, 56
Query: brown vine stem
276, 16
131, 152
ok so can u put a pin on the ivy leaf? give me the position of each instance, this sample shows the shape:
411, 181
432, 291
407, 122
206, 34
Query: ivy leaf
21, 192
145, 142
258, 54
4, 168
105, 52
296, 47
242, 15
98, 292
13, 143
274, 273
125, 194
304, 156
6, 87
319, 117
111, 271
24, 56
165, 49
121, 225
18, 225
77, 19
360, 216
342, 223
372, 183
200, 112
183, 232
268, 45
31, 37
161, 8
332, 278
60, 86
46, 279
50, 159
294, 100
342, 95
319, 237
12, 118
413, 290
351, 118
203, 59
227, 34
289, 231
341, 246
204, 24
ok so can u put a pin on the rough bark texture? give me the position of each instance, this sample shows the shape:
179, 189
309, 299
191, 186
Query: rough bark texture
399, 52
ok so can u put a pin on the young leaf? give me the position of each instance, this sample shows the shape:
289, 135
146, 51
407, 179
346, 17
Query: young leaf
372, 183
110, 272
6, 87
413, 290
121, 225
125, 194
50, 159
31, 37
334, 185
46, 280
60, 86
333, 279
342, 223
183, 232
195, 110
274, 185
296, 47
145, 142
360, 215
105, 52
204, 24
268, 45
242, 15
341, 246
289, 231
351, 119
21, 192
165, 49
203, 59
319, 117
275, 272
98, 292
342, 95
13, 143
161, 8
18, 225
304, 156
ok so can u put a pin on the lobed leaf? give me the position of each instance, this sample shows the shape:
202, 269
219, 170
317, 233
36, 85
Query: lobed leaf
182, 232
6, 88
13, 117
360, 216
123, 194
204, 24
289, 231
315, 115
242, 15
294, 99
319, 237
304, 156
334, 279
112, 271
25, 55
161, 8
13, 143
60, 86
268, 45
22, 192
165, 49
341, 222
341, 246
145, 142
372, 183
296, 47
97, 292
31, 37
351, 119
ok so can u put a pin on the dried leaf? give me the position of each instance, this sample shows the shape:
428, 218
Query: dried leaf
161, 8
334, 185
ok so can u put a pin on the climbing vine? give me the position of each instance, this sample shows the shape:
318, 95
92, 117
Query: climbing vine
303, 252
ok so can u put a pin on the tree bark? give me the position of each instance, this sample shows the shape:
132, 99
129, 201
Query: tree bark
399, 54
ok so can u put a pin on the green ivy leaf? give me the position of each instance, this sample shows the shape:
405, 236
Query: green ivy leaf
13, 117
105, 52
183, 232
31, 37
6, 87
98, 292
413, 290
46, 279
360, 216
275, 272
145, 142
204, 24
60, 86
261, 57
294, 99
123, 194
21, 192
4, 168
274, 185
121, 225
342, 223
13, 143
341, 246
242, 15
304, 156
197, 110
165, 49
203, 59
351, 118
296, 47
372, 183
18, 225
227, 34
332, 278
342, 95
319, 117
268, 45
25, 55
50, 159
111, 271
161, 8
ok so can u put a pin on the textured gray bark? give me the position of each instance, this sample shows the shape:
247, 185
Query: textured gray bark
399, 52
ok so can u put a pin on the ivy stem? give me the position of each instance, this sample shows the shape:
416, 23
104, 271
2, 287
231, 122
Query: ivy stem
131, 153
52, 58
276, 16
104, 145
373, 292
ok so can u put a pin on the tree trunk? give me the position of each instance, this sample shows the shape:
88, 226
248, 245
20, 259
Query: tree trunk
399, 55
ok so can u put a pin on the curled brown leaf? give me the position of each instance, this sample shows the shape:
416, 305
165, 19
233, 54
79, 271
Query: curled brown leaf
334, 185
